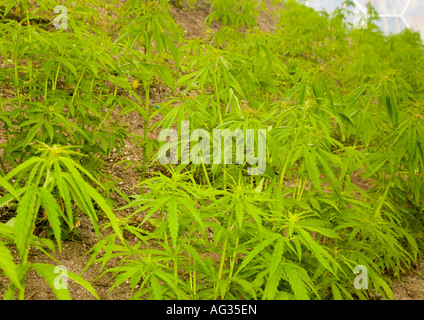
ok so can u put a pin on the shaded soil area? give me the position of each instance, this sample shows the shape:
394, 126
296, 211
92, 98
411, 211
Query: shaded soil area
411, 285
74, 253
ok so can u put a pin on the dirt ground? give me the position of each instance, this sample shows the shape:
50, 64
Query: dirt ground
410, 287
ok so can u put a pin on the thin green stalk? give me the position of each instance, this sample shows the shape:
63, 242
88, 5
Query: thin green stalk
165, 234
217, 100
92, 86
146, 124
233, 260
29, 60
77, 86
23, 264
108, 115
194, 279
377, 213
221, 265
288, 158
18, 90
302, 183
223, 256
45, 89
54, 85
1, 158
175, 260
3, 168
206, 175
192, 275
21, 293
225, 177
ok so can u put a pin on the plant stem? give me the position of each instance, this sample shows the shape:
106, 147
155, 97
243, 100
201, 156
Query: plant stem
18, 90
29, 60
377, 213
217, 100
146, 124
78, 83
206, 175
233, 260
221, 265
224, 251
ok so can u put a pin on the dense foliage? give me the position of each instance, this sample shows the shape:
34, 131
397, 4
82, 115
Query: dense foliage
339, 104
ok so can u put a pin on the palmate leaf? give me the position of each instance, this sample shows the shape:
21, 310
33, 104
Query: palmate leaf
8, 266
127, 271
166, 76
22, 167
299, 280
7, 233
256, 213
156, 288
107, 210
276, 256
327, 160
152, 205
316, 225
173, 219
72, 166
103, 244
379, 282
247, 286
70, 67
271, 288
64, 193
389, 100
5, 184
299, 86
190, 205
336, 291
174, 283
72, 128
31, 134
274, 269
47, 271
83, 194
79, 193
269, 238
6, 230
53, 212
25, 219
309, 156
365, 124
354, 96
201, 265
34, 176
321, 254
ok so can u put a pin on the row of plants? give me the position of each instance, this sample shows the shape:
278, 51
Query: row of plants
339, 104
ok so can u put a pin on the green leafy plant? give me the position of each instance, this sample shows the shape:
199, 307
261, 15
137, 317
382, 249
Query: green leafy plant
343, 116
38, 183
